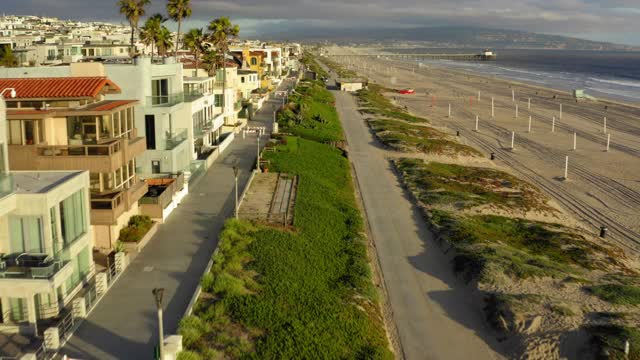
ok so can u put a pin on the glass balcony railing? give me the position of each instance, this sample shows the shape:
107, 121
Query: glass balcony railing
29, 266
166, 100
175, 139
6, 184
193, 95
201, 129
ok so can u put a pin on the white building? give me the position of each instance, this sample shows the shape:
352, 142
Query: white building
45, 241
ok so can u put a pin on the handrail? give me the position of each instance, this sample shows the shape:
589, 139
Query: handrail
80, 150
101, 204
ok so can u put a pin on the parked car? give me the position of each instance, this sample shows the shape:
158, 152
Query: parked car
407, 91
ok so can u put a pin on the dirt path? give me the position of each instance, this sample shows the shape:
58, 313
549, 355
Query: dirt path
603, 187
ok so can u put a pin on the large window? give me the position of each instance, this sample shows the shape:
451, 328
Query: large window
254, 61
26, 234
160, 91
217, 100
73, 217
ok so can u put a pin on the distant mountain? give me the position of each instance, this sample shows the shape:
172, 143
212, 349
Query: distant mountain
446, 37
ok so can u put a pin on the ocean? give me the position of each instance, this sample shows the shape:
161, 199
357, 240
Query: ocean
612, 75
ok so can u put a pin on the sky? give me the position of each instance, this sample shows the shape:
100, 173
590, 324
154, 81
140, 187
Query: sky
602, 20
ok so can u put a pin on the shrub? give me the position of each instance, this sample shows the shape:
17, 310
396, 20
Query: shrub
189, 355
207, 282
136, 229
192, 328
617, 294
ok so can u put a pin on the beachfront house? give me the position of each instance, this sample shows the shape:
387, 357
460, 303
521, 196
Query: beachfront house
64, 123
45, 241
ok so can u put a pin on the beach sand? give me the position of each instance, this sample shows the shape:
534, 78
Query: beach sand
602, 188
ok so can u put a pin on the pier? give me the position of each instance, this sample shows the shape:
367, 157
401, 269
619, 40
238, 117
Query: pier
484, 56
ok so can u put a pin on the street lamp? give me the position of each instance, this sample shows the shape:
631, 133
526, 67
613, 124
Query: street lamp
235, 175
13, 93
258, 161
157, 295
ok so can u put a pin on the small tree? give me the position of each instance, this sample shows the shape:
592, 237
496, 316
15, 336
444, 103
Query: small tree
222, 31
7, 58
194, 41
151, 31
163, 40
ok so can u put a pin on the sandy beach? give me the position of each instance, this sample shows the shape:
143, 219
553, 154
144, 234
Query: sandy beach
602, 187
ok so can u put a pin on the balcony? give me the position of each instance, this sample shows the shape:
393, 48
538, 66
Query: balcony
105, 157
30, 266
160, 194
173, 140
6, 185
165, 100
107, 208
193, 95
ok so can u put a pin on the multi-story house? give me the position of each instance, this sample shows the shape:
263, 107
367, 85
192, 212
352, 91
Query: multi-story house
202, 105
64, 123
45, 241
113, 49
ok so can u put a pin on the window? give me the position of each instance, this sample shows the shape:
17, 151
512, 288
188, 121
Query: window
54, 226
155, 166
254, 61
159, 91
18, 309
26, 234
242, 79
217, 100
73, 217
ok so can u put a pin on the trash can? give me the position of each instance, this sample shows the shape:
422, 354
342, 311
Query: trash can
603, 231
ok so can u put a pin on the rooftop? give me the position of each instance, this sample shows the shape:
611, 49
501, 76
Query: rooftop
39, 182
58, 87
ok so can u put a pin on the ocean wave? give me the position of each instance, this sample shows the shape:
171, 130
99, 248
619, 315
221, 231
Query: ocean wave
618, 82
521, 71
609, 91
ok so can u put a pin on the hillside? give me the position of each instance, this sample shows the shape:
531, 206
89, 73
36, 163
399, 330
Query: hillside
449, 37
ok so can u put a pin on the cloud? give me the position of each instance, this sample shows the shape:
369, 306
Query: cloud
613, 18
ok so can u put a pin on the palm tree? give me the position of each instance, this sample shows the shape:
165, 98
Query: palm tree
163, 40
209, 61
133, 10
194, 41
151, 29
178, 10
221, 33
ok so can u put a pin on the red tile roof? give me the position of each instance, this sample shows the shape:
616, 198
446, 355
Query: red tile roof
17, 112
108, 105
59, 87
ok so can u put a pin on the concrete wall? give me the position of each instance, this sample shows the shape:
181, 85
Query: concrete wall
106, 236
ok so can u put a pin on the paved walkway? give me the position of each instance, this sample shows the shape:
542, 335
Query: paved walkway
124, 324
435, 315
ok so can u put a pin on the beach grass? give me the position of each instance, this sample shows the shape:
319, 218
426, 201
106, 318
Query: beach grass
612, 337
489, 246
310, 62
619, 294
405, 137
465, 187
372, 101
311, 114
